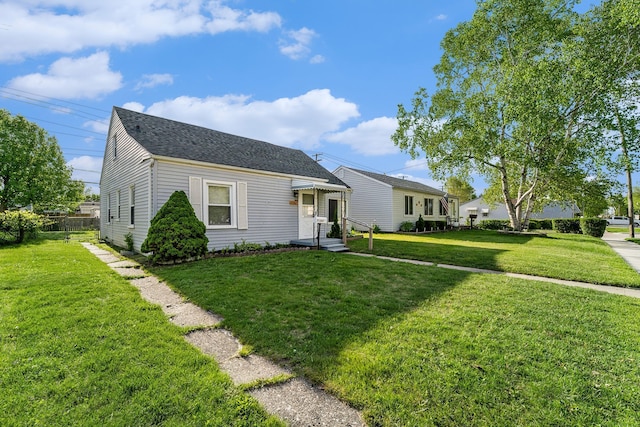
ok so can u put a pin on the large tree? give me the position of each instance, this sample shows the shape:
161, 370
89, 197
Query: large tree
610, 47
510, 103
461, 188
32, 169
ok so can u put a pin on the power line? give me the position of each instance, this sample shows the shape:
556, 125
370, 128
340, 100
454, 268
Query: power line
44, 99
67, 126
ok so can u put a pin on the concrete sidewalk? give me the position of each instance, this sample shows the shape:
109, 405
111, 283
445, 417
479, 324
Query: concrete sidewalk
630, 252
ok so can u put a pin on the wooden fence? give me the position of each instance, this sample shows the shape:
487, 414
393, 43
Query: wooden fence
70, 223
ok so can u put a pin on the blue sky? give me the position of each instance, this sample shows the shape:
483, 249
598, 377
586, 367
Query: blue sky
322, 76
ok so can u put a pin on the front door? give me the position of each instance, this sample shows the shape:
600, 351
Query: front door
305, 215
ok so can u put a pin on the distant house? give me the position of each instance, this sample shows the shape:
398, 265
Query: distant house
240, 188
88, 209
485, 210
388, 201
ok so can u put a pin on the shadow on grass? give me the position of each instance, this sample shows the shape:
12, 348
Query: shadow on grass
440, 249
302, 308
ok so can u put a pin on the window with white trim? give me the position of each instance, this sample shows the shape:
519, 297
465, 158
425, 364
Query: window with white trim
118, 206
408, 205
220, 205
114, 142
428, 207
109, 217
132, 206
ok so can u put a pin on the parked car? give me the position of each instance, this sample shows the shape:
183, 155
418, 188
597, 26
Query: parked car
621, 220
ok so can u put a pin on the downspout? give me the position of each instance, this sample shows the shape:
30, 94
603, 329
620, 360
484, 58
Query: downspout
151, 192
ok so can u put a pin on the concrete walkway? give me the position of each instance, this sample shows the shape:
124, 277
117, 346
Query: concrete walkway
294, 400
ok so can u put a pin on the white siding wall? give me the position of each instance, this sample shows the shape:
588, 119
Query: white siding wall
499, 211
127, 168
271, 216
371, 201
418, 207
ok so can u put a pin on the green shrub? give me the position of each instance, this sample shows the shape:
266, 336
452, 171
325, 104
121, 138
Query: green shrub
540, 224
376, 228
335, 232
128, 238
20, 225
420, 224
406, 226
593, 226
175, 234
567, 225
246, 247
493, 224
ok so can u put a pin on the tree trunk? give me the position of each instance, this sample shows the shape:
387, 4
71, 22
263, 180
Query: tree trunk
627, 167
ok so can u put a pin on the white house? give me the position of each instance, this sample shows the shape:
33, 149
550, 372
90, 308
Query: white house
485, 210
388, 201
242, 189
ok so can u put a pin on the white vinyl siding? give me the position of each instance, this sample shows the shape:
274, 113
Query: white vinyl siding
371, 201
129, 170
269, 215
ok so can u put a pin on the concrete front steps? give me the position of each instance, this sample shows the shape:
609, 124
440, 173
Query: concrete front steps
326, 244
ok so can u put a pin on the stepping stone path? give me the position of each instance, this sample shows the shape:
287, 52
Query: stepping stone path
292, 399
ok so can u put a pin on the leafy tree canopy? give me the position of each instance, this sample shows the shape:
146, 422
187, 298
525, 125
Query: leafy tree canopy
515, 101
32, 168
461, 188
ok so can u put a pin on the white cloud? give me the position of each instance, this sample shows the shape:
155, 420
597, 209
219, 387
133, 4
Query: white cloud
317, 59
441, 17
87, 169
300, 121
68, 78
225, 19
370, 138
134, 106
297, 44
152, 80
42, 26
101, 126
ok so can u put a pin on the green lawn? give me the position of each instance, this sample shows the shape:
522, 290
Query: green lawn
423, 346
562, 256
79, 347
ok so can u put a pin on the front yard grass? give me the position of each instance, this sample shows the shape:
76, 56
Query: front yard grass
560, 256
424, 346
79, 347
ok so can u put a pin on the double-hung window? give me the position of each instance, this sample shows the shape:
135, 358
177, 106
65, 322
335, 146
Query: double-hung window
220, 204
118, 206
132, 206
428, 207
408, 205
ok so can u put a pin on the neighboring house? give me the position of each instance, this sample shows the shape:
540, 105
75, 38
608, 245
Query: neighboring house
388, 201
242, 189
89, 209
485, 210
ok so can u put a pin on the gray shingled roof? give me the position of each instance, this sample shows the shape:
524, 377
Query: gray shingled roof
169, 138
401, 183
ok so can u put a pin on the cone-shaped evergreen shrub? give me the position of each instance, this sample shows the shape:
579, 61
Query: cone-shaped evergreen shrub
175, 234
